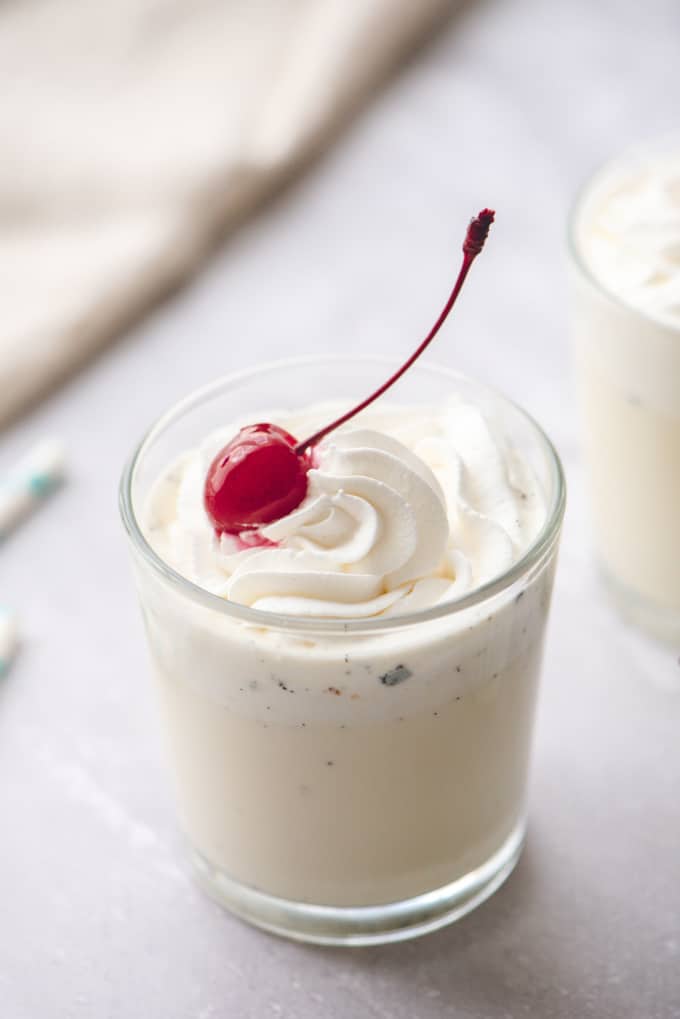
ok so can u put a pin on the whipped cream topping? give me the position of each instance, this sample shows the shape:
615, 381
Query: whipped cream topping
416, 510
629, 233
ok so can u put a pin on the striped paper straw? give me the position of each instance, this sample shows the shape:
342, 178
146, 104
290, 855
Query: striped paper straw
9, 639
33, 478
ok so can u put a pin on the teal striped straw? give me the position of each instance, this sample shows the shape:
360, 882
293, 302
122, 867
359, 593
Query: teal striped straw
29, 482
9, 639
23, 489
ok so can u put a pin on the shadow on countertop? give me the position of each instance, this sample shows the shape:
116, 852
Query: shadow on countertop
510, 957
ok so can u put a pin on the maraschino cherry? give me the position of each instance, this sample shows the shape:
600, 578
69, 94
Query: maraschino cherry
261, 475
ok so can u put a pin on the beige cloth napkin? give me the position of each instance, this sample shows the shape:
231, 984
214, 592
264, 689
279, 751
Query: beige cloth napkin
134, 133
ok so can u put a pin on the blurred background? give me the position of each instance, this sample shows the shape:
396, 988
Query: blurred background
191, 188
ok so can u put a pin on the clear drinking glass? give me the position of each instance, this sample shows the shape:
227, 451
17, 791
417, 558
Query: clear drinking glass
346, 782
628, 374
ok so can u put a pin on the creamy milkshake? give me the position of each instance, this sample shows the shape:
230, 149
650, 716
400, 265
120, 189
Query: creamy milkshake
626, 287
349, 697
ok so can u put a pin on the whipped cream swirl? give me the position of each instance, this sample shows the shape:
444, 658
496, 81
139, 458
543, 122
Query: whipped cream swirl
372, 524
387, 526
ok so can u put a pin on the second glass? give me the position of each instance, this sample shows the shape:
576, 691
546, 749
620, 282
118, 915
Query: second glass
628, 367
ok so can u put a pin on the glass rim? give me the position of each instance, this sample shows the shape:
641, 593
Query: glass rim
577, 256
539, 547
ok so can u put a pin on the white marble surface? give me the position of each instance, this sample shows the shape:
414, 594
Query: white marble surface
511, 107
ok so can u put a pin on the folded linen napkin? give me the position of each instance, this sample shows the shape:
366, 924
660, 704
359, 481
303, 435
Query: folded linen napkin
134, 134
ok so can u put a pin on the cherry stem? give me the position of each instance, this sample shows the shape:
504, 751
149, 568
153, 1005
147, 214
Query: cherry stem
475, 237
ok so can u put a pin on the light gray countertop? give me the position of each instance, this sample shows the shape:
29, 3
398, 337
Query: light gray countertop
511, 106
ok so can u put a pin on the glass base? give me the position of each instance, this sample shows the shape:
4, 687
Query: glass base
354, 926
657, 620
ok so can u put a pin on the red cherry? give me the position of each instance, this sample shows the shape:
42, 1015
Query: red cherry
258, 477
261, 475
